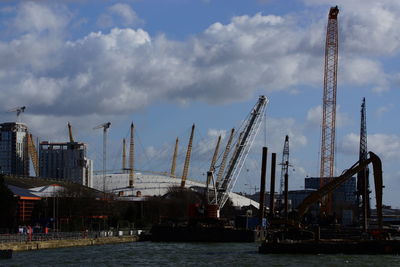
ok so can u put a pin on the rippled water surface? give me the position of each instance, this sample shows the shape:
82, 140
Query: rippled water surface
185, 254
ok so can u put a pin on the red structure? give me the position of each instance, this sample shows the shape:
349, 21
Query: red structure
329, 102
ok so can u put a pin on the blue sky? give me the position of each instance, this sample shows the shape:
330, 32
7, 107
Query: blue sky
169, 63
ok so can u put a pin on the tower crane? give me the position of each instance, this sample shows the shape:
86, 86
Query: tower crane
243, 144
105, 127
18, 111
329, 104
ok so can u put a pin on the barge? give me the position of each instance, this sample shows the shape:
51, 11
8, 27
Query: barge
161, 233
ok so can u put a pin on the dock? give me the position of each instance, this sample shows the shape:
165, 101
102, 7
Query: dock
49, 244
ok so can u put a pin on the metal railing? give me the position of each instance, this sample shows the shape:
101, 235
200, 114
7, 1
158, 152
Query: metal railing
21, 238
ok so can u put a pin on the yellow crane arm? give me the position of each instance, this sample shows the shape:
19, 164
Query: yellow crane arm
33, 154
71, 138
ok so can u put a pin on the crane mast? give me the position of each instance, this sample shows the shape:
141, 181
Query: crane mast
363, 175
285, 164
243, 145
105, 127
329, 102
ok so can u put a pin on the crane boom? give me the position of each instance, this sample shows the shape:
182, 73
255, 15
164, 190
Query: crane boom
243, 145
335, 183
215, 155
33, 154
224, 158
18, 111
363, 175
329, 103
71, 138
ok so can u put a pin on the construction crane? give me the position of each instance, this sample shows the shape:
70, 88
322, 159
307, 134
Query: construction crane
346, 175
284, 182
33, 153
242, 147
18, 111
187, 159
363, 175
215, 155
329, 104
225, 157
105, 127
285, 164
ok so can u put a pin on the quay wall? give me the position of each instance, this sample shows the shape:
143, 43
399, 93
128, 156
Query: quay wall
35, 245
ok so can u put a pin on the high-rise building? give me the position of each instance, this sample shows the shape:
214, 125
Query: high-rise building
65, 161
14, 158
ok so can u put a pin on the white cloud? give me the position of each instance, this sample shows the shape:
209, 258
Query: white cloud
367, 26
123, 70
119, 14
381, 111
34, 17
386, 146
314, 117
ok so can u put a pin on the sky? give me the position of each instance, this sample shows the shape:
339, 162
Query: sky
166, 64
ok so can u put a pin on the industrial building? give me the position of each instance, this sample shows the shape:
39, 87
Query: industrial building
14, 158
65, 161
344, 198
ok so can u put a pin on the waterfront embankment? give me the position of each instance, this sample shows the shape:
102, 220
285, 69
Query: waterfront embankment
48, 244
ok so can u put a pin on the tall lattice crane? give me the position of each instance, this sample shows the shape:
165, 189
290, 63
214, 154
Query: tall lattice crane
363, 175
329, 102
105, 127
285, 164
242, 147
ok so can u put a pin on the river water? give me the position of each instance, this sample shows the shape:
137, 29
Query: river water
185, 254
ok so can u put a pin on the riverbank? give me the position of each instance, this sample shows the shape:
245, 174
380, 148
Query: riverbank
35, 245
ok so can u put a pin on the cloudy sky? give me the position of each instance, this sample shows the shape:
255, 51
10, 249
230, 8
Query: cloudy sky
166, 64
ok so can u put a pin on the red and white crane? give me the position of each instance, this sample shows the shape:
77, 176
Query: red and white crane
329, 102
